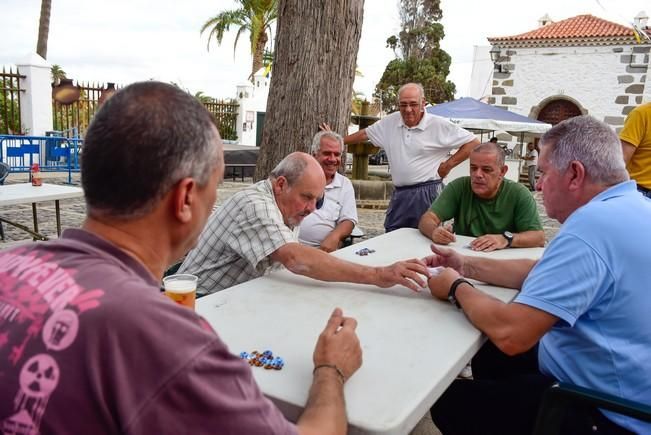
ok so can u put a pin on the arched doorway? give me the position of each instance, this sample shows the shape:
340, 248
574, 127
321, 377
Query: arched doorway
558, 110
552, 111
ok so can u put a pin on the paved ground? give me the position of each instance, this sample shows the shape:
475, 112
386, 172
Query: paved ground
73, 212
371, 214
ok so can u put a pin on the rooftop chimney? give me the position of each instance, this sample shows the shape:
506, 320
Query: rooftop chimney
641, 20
544, 20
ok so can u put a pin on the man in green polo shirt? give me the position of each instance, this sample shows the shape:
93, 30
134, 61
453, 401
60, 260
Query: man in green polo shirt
500, 213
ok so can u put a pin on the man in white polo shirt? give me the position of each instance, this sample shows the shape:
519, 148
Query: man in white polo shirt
532, 163
326, 227
417, 145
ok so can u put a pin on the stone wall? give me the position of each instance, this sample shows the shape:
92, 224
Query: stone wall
603, 81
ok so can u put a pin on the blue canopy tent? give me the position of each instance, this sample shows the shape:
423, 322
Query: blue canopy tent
472, 114
475, 115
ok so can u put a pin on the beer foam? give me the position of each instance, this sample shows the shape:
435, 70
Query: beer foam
180, 285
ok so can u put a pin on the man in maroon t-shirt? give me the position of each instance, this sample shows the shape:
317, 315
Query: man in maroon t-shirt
88, 345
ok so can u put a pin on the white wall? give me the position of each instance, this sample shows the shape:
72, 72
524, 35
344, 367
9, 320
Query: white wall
252, 98
36, 101
481, 77
591, 76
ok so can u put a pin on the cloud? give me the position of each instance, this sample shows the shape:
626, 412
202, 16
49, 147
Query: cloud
128, 40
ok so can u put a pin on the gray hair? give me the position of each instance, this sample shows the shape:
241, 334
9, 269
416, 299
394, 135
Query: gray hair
418, 86
316, 141
291, 167
492, 147
142, 141
591, 142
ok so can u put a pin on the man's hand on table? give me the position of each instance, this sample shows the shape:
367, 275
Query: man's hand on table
489, 242
439, 285
338, 345
443, 235
445, 257
407, 273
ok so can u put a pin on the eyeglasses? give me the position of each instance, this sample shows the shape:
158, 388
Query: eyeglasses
319, 202
411, 105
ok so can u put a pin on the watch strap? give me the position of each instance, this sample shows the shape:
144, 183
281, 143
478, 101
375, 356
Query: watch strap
509, 240
452, 294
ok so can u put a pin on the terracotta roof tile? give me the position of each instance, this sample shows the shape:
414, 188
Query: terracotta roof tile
581, 26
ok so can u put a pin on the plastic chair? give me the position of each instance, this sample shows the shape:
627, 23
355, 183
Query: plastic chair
559, 396
173, 268
4, 173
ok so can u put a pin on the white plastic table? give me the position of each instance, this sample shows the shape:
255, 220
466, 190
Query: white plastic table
414, 346
25, 193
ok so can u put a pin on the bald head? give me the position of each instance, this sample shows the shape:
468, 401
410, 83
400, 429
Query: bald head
298, 182
413, 87
411, 103
491, 148
294, 166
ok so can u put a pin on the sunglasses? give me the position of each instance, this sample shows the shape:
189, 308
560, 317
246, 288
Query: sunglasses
319, 202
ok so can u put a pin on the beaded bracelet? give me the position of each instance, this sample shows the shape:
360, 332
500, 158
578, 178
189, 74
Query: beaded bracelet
342, 378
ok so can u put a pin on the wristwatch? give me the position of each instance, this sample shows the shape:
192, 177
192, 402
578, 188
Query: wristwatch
452, 294
509, 238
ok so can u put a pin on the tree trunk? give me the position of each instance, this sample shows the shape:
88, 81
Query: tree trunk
313, 74
258, 54
43, 28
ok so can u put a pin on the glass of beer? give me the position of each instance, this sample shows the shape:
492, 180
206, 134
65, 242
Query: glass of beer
181, 288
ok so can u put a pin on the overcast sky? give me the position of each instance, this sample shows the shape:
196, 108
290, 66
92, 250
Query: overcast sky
128, 40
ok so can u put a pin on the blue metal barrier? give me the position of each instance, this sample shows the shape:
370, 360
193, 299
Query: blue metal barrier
52, 153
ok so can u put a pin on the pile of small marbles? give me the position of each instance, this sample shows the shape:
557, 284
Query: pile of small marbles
365, 251
265, 359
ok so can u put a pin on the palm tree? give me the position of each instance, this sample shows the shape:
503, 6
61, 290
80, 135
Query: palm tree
203, 98
57, 74
43, 28
254, 16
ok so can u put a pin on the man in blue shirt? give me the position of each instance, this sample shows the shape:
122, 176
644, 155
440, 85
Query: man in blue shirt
583, 306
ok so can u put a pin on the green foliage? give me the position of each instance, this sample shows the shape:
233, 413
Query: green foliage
203, 98
9, 107
431, 73
9, 124
419, 57
268, 58
57, 74
224, 112
253, 16
356, 103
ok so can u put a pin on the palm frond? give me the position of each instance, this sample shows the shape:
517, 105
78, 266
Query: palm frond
255, 16
221, 23
237, 37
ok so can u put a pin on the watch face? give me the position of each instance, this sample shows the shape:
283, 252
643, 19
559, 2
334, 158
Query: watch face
509, 238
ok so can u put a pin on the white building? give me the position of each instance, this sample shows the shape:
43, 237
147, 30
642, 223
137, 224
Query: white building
580, 65
252, 98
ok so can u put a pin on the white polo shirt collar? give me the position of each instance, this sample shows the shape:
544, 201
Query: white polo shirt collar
336, 181
422, 125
